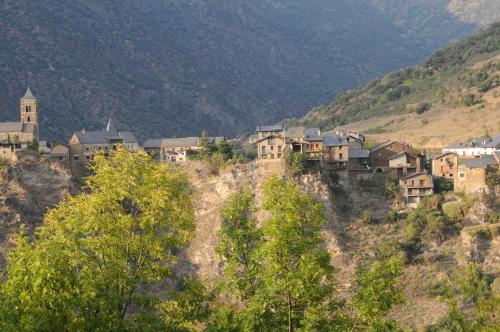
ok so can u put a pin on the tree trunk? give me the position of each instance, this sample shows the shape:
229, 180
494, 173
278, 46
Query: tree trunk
290, 325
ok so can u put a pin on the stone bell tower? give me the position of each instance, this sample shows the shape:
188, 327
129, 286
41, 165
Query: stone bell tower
29, 113
29, 108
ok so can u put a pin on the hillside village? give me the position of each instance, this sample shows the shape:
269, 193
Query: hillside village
343, 170
464, 166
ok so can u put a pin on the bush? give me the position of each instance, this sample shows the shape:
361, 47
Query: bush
423, 107
295, 163
453, 211
389, 249
367, 217
391, 188
392, 216
215, 163
442, 185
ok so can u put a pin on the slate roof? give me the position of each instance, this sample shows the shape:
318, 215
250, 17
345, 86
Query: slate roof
444, 154
358, 153
402, 153
314, 138
312, 132
294, 132
269, 128
28, 94
16, 127
335, 140
9, 127
178, 142
482, 162
105, 136
480, 142
413, 175
381, 146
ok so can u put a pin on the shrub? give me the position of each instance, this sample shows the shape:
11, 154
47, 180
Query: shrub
389, 249
391, 188
215, 163
392, 216
423, 107
295, 163
334, 177
442, 185
367, 217
453, 211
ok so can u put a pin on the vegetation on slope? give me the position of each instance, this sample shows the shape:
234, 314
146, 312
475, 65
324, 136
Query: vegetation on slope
449, 77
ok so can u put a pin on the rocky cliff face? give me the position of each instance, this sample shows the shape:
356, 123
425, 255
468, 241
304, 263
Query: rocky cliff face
27, 190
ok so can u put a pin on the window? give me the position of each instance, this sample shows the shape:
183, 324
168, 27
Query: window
279, 148
451, 175
340, 155
462, 175
263, 150
270, 140
279, 155
28, 119
272, 156
28, 108
422, 182
272, 147
76, 158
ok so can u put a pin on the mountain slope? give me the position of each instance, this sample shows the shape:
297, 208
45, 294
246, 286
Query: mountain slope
455, 94
171, 67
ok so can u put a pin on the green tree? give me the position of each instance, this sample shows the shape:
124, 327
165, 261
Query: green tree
98, 253
239, 238
188, 307
206, 145
224, 148
297, 278
376, 293
295, 163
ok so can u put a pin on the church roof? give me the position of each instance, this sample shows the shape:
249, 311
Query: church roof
106, 135
111, 127
16, 127
10, 127
28, 94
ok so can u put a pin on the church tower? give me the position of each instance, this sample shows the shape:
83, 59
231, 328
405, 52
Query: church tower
29, 108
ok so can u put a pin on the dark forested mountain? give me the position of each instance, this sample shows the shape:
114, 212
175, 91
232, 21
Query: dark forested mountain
175, 67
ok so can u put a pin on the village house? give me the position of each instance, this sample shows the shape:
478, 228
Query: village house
380, 155
415, 187
272, 141
359, 160
473, 172
59, 152
404, 163
477, 147
175, 149
83, 145
336, 154
445, 166
15, 136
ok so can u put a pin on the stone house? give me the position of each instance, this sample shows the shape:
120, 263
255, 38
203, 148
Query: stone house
404, 163
175, 149
15, 136
83, 145
380, 155
472, 173
477, 147
59, 152
336, 152
359, 160
415, 187
445, 166
272, 141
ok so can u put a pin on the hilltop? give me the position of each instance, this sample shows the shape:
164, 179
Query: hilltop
175, 67
454, 94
